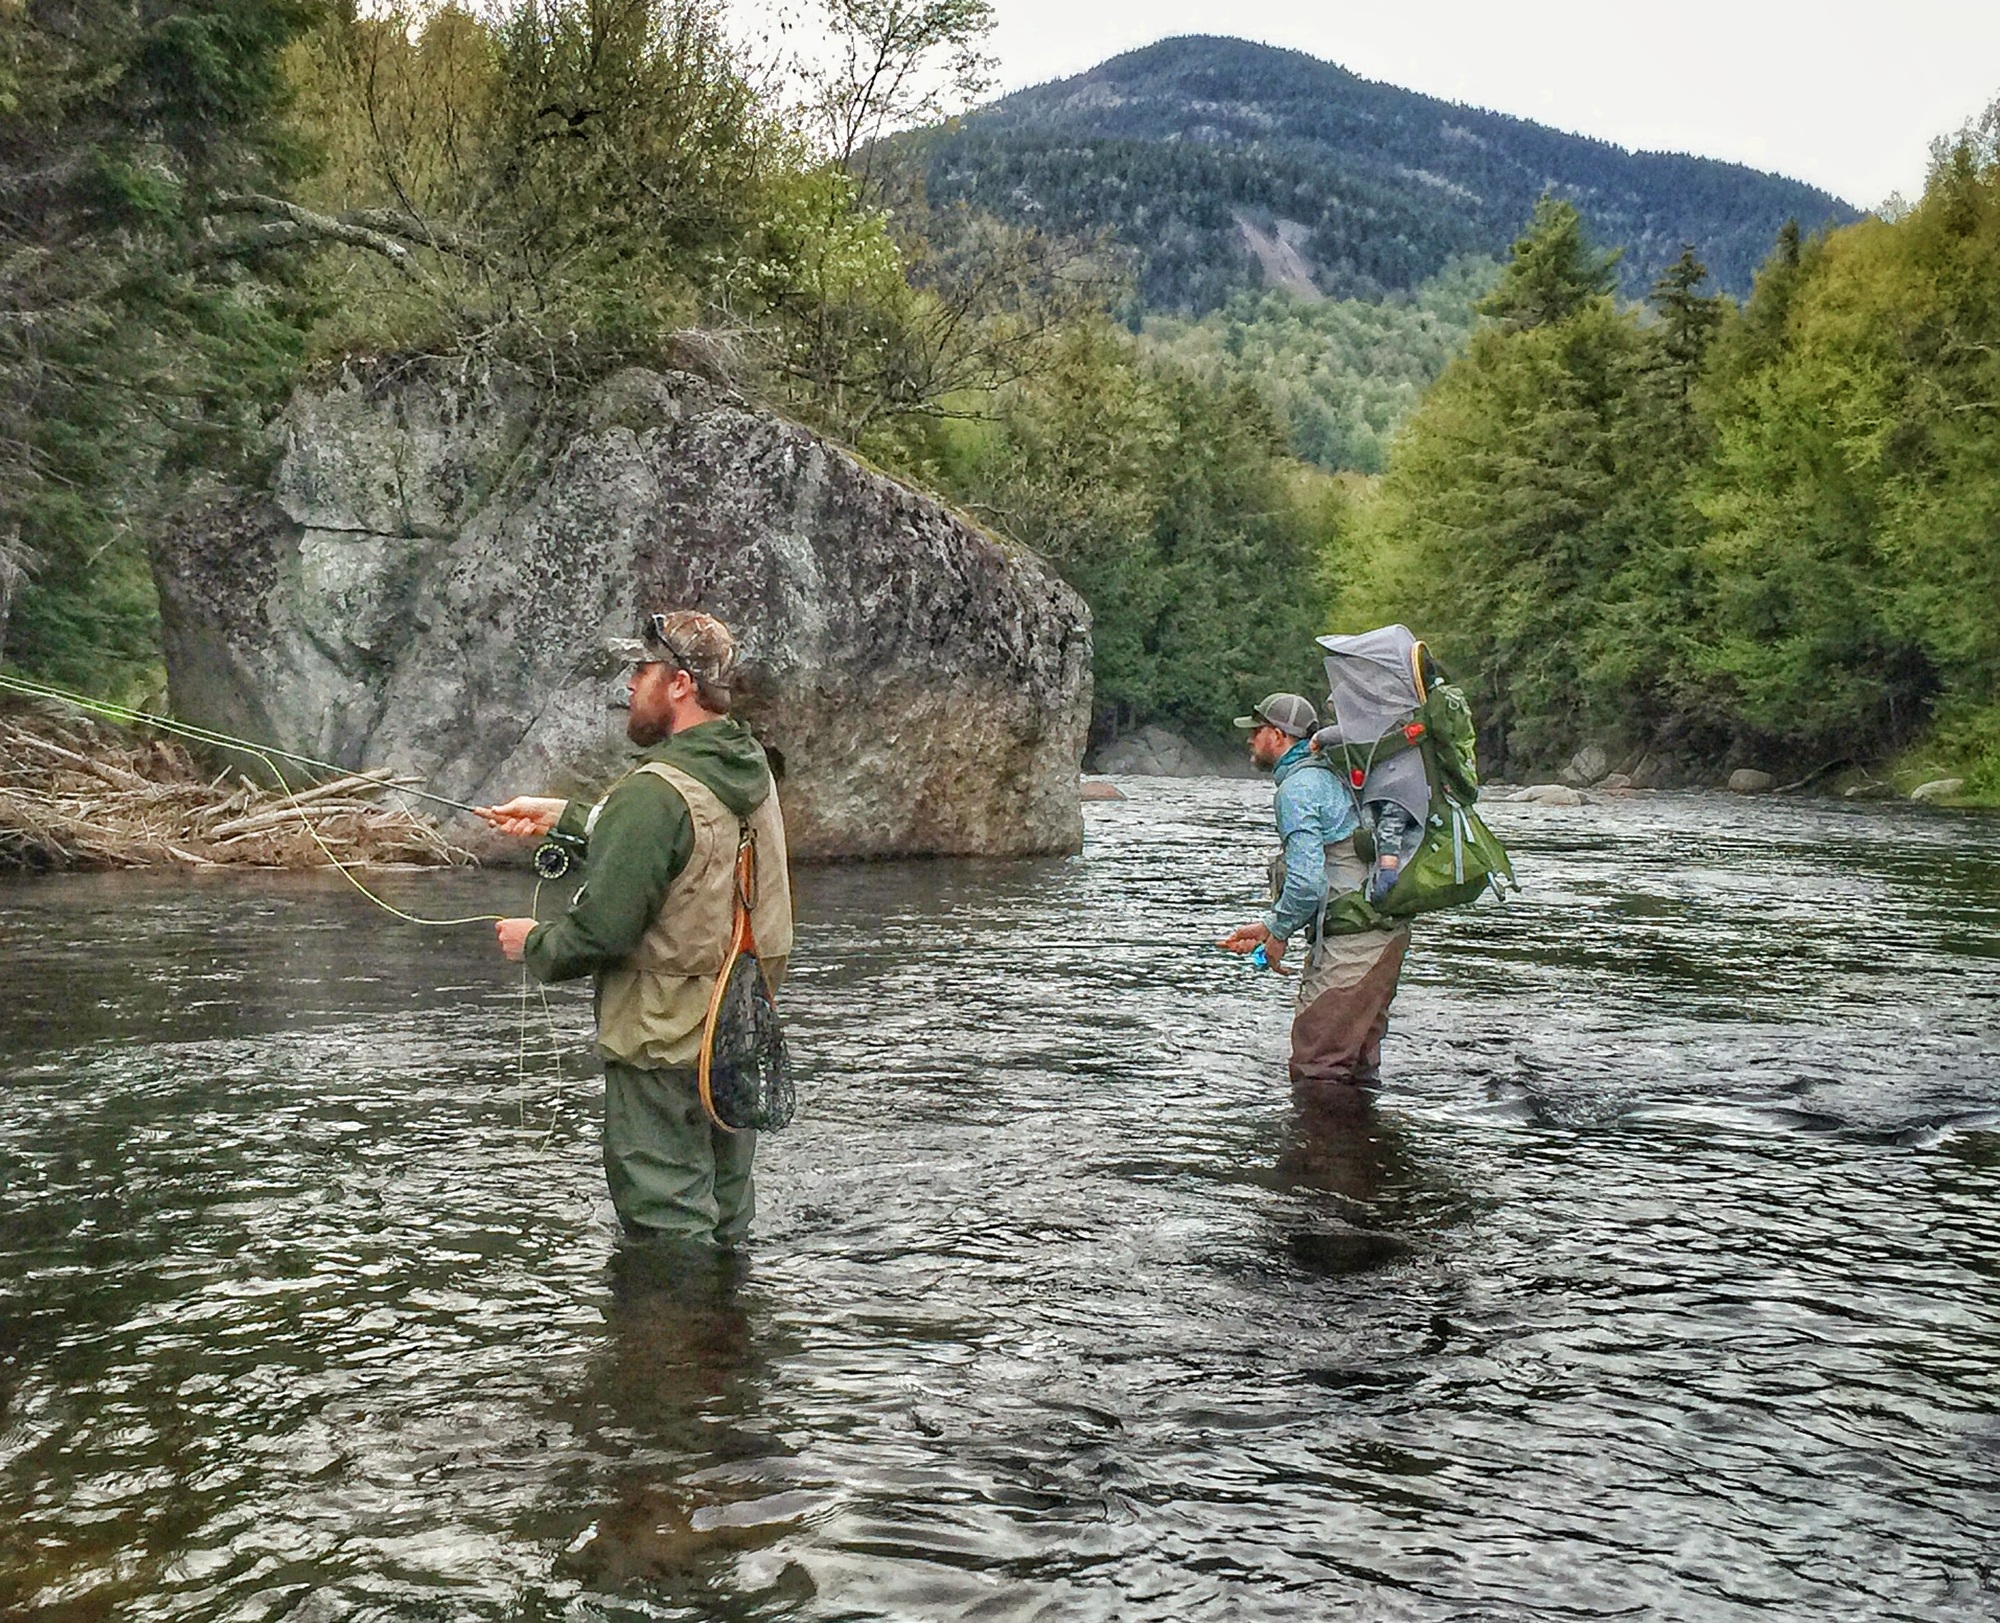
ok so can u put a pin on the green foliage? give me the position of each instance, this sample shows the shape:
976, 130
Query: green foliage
1553, 273
1171, 506
1535, 520
1855, 497
582, 178
1965, 744
576, 178
1340, 375
1500, 512
137, 347
1766, 534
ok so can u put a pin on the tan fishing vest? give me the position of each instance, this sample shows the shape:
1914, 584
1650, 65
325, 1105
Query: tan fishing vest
650, 1008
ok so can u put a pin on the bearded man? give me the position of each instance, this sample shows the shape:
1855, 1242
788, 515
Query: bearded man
653, 920
1348, 981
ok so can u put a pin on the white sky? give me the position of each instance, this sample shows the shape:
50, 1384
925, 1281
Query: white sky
1844, 95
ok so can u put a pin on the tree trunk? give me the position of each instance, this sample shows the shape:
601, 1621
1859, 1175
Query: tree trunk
13, 571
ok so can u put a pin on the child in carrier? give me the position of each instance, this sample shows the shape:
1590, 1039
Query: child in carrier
1378, 679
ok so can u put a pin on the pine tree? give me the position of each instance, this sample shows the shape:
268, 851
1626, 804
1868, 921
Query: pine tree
1553, 273
1688, 318
142, 336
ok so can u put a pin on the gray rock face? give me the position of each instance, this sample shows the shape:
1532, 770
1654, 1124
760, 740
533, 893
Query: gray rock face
1652, 771
1159, 752
1748, 781
428, 579
1586, 766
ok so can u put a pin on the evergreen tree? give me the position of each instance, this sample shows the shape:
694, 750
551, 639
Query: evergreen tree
1170, 505
1855, 499
1553, 272
1688, 318
146, 332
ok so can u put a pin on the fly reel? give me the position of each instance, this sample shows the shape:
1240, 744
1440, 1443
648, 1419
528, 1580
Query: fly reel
557, 855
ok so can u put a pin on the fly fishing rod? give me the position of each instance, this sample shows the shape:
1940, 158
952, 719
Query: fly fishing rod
125, 715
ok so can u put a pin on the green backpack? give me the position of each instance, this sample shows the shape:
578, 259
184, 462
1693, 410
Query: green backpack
1458, 859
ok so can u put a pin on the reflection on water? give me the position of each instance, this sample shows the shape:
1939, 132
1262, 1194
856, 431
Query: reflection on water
1662, 1279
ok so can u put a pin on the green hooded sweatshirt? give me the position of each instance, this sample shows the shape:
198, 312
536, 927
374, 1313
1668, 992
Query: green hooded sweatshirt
641, 841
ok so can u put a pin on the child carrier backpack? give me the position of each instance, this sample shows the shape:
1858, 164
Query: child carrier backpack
1405, 737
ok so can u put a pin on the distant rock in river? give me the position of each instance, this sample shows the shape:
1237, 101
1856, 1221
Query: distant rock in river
441, 550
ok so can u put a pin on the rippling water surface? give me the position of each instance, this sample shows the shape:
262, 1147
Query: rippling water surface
1663, 1281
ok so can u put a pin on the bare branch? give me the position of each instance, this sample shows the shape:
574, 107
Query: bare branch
297, 224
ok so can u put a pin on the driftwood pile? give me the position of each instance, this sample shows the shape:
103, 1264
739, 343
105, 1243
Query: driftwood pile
77, 794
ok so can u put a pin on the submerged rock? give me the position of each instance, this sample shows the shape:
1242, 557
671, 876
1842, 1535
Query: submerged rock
427, 578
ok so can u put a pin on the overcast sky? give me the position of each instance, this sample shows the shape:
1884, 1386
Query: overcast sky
1846, 96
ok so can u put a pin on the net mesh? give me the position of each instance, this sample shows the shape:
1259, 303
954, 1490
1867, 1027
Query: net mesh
750, 1076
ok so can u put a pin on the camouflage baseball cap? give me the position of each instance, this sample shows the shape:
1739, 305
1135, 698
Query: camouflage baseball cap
687, 639
1290, 713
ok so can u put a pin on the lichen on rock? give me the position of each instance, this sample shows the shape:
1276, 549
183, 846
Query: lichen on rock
427, 578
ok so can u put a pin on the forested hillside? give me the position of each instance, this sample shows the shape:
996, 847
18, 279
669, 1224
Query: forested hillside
1725, 535
1341, 375
1765, 536
1177, 148
202, 202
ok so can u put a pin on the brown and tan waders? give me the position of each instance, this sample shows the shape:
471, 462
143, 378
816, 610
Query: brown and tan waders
1344, 993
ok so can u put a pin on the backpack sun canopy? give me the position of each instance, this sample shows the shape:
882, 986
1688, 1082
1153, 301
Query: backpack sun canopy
1372, 677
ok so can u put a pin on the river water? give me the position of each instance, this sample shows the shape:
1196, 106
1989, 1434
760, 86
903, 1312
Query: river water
1663, 1281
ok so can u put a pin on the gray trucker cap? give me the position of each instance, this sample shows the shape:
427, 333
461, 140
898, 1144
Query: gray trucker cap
1290, 713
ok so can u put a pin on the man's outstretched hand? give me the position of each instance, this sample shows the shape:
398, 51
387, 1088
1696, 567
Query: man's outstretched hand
1252, 936
526, 817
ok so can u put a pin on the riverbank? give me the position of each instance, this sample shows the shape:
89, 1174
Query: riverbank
78, 794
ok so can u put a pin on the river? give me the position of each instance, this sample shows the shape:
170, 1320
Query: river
1663, 1281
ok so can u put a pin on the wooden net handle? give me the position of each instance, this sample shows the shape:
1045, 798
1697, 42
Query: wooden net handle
741, 940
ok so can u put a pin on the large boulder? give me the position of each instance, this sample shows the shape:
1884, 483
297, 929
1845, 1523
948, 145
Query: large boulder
428, 575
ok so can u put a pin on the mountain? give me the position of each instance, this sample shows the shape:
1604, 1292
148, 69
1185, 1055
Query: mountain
1226, 165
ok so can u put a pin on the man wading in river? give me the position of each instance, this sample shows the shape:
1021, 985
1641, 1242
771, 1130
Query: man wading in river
1348, 981
653, 922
